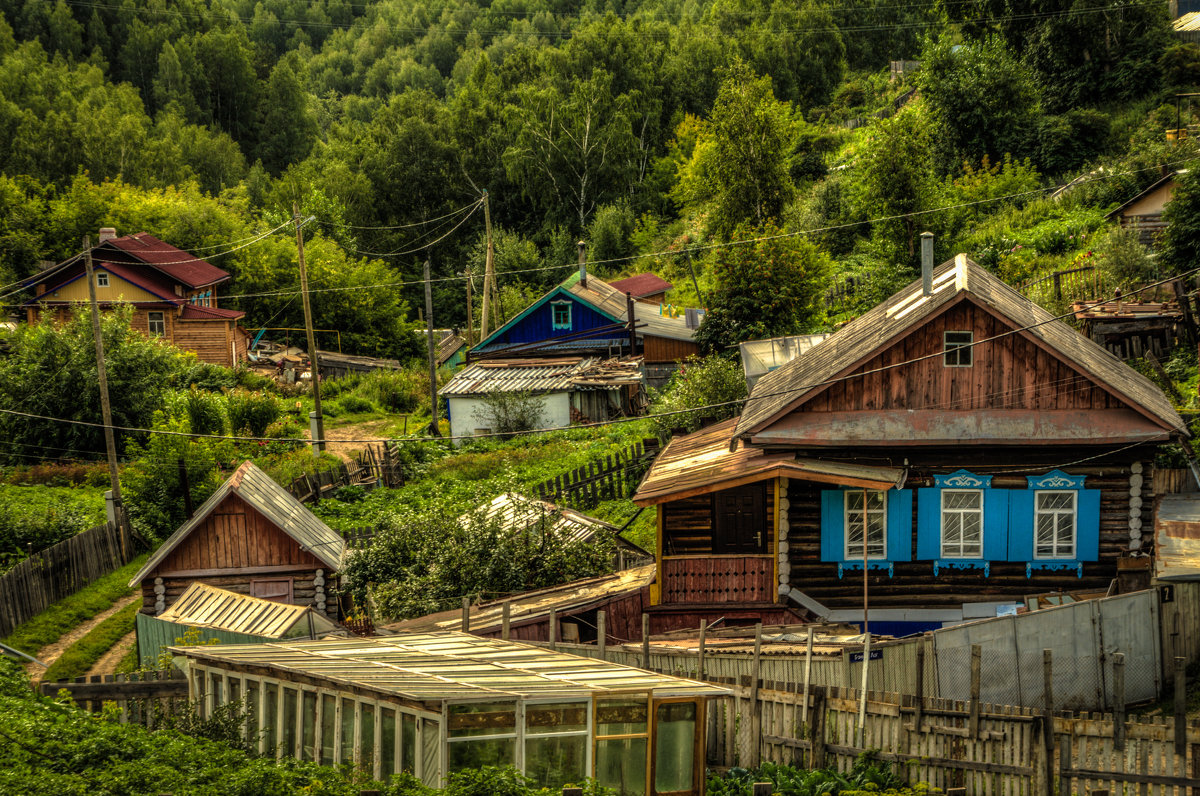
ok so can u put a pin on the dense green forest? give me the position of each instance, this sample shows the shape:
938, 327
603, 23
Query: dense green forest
644, 127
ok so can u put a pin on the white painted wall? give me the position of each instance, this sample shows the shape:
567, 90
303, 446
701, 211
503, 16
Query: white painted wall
556, 413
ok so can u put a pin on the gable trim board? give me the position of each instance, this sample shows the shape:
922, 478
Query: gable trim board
790, 386
274, 503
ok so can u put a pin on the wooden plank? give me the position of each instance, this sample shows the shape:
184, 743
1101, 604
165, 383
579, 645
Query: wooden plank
942, 762
1133, 777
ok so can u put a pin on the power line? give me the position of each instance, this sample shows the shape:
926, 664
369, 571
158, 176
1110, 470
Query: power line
452, 213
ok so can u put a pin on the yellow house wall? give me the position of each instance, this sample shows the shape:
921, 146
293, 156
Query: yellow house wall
117, 290
1151, 204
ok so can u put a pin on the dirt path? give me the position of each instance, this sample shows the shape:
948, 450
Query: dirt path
337, 437
49, 654
109, 660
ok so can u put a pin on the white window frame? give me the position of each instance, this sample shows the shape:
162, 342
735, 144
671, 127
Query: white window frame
960, 350
524, 735
161, 321
854, 552
960, 513
101, 279
1074, 514
517, 735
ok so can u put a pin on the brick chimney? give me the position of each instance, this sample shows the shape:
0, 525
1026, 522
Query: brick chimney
107, 233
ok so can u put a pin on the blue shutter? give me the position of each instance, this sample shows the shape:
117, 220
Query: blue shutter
995, 524
833, 533
899, 525
929, 524
1087, 532
1020, 525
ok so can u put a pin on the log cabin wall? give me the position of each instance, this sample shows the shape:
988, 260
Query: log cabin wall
1009, 373
688, 524
232, 546
913, 584
210, 340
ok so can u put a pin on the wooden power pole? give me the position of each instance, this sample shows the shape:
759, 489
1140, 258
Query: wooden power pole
105, 407
470, 309
315, 420
433, 406
489, 269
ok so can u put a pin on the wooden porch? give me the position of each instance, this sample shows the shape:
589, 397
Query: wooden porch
716, 579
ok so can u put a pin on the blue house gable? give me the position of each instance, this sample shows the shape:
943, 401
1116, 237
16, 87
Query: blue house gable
558, 314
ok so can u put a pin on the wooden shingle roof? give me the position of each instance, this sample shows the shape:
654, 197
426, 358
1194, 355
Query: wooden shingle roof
782, 390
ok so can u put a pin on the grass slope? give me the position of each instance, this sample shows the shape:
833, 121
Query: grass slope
83, 654
50, 625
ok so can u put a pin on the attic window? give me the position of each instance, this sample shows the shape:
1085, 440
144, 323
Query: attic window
561, 314
956, 350
101, 279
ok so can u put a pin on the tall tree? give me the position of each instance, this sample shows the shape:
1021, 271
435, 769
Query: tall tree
897, 181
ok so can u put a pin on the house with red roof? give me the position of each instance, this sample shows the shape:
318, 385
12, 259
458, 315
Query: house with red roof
173, 293
650, 288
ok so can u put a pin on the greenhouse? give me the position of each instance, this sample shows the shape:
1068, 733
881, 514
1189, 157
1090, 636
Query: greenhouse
437, 702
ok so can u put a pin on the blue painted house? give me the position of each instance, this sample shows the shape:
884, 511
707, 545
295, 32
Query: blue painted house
956, 447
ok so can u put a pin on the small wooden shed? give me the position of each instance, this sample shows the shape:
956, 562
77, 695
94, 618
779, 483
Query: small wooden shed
220, 616
433, 703
251, 537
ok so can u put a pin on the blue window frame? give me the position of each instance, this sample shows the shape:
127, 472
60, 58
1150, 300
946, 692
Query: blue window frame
1054, 523
561, 314
889, 528
962, 523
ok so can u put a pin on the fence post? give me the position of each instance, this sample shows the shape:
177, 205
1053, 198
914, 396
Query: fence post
602, 634
755, 702
700, 651
466, 614
1181, 706
919, 686
976, 671
1048, 717
862, 697
808, 652
553, 629
816, 731
645, 641
1118, 701
506, 620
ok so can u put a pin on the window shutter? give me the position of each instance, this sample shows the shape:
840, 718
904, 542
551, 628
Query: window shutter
929, 524
899, 525
995, 524
833, 531
1087, 532
1020, 525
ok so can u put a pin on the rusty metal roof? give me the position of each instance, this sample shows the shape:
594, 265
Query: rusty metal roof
702, 462
786, 388
542, 375
207, 606
271, 500
640, 285
449, 667
1177, 537
517, 513
533, 605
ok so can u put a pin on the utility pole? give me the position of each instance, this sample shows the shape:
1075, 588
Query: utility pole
105, 407
433, 398
489, 270
470, 310
692, 270
316, 422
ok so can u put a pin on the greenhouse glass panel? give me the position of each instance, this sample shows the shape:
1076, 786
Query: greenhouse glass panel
366, 742
271, 717
288, 733
328, 728
621, 765
252, 712
626, 716
387, 742
674, 747
478, 752
347, 745
308, 725
552, 761
431, 742
408, 743
482, 718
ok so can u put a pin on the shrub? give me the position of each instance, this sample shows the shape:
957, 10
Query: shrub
251, 412
205, 412
507, 413
210, 377
353, 404
699, 383
394, 390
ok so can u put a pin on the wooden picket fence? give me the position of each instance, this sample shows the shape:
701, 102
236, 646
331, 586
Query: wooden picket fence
610, 479
142, 697
46, 577
370, 467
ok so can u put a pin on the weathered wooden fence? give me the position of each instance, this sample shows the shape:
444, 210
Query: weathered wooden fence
142, 697
372, 466
615, 477
62, 569
1072, 284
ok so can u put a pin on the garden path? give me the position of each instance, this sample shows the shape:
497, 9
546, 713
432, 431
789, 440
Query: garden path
110, 660
49, 654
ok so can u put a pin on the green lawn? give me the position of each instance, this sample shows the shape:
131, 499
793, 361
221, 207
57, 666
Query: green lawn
83, 654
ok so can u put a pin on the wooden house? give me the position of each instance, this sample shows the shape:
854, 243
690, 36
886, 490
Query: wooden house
434, 703
1144, 212
585, 316
251, 537
174, 294
647, 288
937, 459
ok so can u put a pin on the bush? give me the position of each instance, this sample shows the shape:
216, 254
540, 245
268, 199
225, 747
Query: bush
42, 516
251, 412
507, 413
395, 390
699, 383
352, 404
205, 412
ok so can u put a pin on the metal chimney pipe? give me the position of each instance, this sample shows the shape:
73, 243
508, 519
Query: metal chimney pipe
927, 263
582, 263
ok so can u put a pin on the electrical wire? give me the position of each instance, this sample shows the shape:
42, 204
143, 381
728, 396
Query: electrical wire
425, 246
462, 209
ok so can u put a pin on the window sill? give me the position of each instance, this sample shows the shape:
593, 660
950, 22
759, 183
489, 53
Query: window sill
962, 563
1060, 564
844, 565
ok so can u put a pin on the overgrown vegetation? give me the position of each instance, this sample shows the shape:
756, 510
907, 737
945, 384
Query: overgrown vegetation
716, 383
866, 776
35, 517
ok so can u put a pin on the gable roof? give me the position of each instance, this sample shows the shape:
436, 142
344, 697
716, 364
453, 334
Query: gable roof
641, 285
1166, 179
600, 294
785, 388
175, 263
271, 500
518, 514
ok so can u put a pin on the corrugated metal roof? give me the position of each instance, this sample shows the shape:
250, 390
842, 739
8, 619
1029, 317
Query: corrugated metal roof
272, 501
1189, 21
531, 375
785, 388
188, 269
449, 667
533, 605
702, 462
1177, 537
207, 606
519, 513
639, 285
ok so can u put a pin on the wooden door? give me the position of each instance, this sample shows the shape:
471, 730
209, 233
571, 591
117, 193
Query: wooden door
275, 589
741, 523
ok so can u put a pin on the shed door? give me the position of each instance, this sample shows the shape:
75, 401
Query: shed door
741, 526
277, 589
